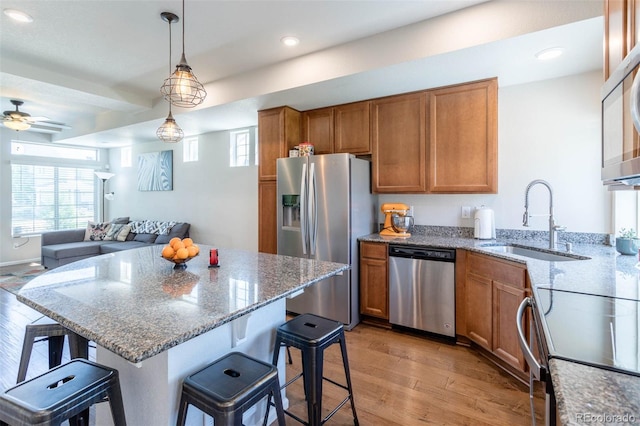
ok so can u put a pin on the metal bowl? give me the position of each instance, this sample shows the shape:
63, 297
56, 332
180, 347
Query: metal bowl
401, 224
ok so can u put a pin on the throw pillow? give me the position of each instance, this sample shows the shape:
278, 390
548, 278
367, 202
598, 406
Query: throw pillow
113, 231
124, 232
124, 220
96, 231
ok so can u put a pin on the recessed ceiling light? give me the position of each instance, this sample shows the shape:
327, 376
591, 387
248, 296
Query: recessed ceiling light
290, 41
552, 53
18, 15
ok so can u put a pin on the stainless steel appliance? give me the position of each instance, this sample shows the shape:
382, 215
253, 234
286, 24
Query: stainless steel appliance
590, 329
324, 205
620, 113
422, 288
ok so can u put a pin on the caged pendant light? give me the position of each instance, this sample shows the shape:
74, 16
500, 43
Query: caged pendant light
182, 88
170, 131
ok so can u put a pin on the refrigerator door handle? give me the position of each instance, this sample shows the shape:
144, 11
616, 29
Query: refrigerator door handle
303, 213
313, 210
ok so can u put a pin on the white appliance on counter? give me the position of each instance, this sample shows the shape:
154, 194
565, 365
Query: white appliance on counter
324, 205
484, 224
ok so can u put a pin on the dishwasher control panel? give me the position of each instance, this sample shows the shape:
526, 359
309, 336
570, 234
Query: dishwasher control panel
418, 252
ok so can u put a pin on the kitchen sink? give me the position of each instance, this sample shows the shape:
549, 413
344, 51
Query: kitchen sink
533, 253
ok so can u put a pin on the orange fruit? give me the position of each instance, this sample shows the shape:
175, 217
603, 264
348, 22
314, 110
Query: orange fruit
193, 250
174, 240
177, 245
197, 249
168, 252
187, 242
182, 253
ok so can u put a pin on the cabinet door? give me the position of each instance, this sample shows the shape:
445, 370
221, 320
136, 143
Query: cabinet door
398, 144
615, 34
352, 128
278, 131
317, 128
506, 300
267, 219
479, 310
374, 284
463, 138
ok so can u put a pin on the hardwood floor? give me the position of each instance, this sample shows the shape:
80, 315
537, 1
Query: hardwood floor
398, 378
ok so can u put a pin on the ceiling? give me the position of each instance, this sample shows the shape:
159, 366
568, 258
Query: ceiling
97, 65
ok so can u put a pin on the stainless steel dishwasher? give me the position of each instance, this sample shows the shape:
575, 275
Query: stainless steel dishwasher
422, 288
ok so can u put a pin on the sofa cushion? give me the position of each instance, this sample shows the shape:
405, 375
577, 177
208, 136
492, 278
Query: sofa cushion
180, 230
112, 246
121, 220
96, 231
81, 248
151, 227
113, 231
145, 238
124, 233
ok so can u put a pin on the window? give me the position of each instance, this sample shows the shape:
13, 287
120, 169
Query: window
125, 157
240, 152
46, 193
190, 149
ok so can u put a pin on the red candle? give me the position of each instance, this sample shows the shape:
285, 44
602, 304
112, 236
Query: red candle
213, 257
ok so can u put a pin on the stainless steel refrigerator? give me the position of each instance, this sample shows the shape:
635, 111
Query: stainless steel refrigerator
324, 205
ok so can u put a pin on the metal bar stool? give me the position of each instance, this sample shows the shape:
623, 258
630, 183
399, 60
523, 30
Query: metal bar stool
226, 388
54, 333
62, 393
312, 334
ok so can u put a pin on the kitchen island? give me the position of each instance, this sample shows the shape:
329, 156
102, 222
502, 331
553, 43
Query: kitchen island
156, 324
584, 393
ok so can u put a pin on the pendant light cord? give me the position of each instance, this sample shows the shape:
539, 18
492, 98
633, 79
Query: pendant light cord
170, 87
183, 27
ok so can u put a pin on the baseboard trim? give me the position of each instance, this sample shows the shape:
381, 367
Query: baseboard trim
20, 262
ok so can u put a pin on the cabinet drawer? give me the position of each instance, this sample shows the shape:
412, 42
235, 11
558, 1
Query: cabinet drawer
373, 250
498, 270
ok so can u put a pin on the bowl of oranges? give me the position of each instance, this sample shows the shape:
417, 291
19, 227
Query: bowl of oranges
180, 251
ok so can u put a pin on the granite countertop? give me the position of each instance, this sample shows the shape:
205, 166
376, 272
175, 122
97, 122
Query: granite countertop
581, 390
136, 305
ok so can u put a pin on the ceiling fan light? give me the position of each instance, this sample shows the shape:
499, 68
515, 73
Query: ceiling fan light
17, 125
182, 88
170, 132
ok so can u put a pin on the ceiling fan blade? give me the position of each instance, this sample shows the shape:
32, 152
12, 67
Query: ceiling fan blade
41, 118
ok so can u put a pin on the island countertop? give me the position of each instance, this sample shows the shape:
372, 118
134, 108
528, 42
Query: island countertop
136, 305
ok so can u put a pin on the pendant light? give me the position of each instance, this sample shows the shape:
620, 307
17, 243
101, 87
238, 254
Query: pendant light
170, 131
182, 88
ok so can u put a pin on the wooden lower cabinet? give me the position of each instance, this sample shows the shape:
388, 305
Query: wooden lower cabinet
267, 218
374, 282
493, 290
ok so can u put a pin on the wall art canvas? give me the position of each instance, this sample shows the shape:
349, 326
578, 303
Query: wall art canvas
155, 171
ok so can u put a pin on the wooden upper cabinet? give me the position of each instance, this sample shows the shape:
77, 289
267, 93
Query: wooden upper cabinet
352, 128
615, 34
278, 132
463, 138
317, 128
398, 144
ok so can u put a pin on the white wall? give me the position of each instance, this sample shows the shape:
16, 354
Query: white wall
546, 130
219, 201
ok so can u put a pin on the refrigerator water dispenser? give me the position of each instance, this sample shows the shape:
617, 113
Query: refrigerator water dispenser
291, 211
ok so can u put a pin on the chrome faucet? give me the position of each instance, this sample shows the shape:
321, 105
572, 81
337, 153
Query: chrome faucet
553, 228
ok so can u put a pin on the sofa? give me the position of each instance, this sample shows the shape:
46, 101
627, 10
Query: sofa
66, 246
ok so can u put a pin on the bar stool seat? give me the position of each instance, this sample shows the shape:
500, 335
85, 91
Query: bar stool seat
312, 334
226, 388
54, 333
62, 393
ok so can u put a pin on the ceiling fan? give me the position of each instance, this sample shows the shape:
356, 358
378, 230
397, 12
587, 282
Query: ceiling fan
19, 120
